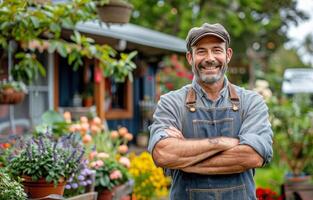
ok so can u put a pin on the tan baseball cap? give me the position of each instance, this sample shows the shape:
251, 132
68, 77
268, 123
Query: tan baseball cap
196, 33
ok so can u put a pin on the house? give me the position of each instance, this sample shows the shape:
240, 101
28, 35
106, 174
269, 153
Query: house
65, 90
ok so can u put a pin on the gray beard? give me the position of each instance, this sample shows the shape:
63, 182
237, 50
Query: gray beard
209, 79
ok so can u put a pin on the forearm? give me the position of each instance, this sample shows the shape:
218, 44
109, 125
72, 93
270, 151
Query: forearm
177, 153
234, 160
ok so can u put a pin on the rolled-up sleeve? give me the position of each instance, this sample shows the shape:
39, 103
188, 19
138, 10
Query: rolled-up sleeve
167, 113
256, 129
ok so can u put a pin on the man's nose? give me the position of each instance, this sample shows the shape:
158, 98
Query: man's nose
209, 57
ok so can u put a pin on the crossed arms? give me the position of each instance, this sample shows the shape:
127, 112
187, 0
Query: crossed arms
222, 155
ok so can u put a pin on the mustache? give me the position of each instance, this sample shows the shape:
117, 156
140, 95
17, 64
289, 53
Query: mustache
212, 63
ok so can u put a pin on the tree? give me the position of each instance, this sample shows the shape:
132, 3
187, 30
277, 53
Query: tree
258, 25
28, 28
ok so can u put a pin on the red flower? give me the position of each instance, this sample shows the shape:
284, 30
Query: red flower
266, 194
169, 86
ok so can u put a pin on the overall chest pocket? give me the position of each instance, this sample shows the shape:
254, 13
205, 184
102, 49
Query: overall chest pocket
213, 128
229, 193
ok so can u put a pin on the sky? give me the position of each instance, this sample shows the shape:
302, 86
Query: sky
297, 34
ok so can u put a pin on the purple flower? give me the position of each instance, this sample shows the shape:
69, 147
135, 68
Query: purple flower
89, 182
71, 156
70, 179
81, 178
67, 186
83, 183
74, 185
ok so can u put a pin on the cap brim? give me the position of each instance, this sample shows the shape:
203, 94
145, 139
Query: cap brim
207, 34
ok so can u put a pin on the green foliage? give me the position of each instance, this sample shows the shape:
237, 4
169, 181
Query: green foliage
44, 157
37, 27
279, 61
55, 121
270, 177
260, 24
10, 188
292, 124
15, 85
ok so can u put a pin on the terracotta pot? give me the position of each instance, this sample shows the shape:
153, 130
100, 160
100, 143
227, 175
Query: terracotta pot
142, 140
115, 12
105, 195
40, 188
88, 101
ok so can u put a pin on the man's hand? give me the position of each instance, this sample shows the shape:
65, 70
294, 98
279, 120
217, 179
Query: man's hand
235, 160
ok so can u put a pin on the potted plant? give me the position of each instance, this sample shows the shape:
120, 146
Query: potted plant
114, 11
45, 163
107, 153
10, 188
292, 120
142, 139
12, 92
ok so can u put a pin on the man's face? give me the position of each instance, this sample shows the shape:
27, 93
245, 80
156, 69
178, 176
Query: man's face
209, 59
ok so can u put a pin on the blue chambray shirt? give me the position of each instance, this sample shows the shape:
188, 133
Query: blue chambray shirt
255, 129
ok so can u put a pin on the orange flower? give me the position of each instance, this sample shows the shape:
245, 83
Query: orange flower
114, 134
67, 116
83, 119
128, 136
92, 155
97, 121
87, 139
122, 131
122, 149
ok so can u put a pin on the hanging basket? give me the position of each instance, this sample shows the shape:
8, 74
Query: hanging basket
10, 96
118, 12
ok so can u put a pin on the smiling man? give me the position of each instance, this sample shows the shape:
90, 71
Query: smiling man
211, 135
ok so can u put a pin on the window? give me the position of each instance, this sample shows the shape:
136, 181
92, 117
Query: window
114, 100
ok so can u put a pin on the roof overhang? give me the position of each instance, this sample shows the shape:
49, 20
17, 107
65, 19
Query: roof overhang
136, 37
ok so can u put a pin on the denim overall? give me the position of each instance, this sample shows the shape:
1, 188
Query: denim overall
202, 122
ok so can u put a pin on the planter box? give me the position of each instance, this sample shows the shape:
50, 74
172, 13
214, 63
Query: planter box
86, 196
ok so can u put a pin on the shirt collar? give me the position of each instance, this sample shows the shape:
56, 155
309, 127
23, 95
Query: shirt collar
201, 91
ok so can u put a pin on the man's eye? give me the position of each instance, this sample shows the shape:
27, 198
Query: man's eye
201, 52
218, 50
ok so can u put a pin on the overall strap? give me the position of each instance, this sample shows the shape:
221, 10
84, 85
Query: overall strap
235, 101
191, 98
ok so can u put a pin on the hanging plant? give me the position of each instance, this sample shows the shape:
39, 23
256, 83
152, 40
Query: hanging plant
38, 28
114, 11
12, 92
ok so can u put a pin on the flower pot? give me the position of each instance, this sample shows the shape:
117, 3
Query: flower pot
121, 192
142, 140
105, 194
10, 96
88, 101
115, 12
41, 188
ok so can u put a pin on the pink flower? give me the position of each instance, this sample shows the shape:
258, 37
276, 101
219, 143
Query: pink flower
96, 164
125, 161
115, 174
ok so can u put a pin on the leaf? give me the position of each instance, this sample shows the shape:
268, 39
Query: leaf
51, 117
35, 21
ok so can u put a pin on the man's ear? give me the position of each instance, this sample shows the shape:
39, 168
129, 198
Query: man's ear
229, 54
189, 57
